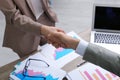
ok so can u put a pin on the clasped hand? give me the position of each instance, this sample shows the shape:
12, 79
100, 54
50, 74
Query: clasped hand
58, 38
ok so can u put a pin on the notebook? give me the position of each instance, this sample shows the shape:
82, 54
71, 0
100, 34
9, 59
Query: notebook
106, 27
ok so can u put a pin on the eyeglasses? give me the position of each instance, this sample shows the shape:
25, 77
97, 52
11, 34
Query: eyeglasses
34, 62
38, 63
67, 77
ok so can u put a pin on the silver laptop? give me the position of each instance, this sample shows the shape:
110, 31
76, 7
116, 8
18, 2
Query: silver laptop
106, 27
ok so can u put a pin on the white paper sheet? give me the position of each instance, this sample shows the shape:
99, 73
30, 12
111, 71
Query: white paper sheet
89, 71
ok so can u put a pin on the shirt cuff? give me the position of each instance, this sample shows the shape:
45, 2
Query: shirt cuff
81, 47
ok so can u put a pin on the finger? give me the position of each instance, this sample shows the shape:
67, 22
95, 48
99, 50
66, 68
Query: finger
60, 30
57, 45
49, 36
49, 42
48, 39
63, 45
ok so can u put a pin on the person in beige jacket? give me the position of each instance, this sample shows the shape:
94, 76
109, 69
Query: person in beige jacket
28, 22
90, 52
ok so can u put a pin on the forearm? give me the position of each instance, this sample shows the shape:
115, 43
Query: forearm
99, 56
26, 24
103, 57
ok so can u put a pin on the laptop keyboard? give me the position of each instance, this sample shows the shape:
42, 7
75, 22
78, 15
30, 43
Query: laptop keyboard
107, 38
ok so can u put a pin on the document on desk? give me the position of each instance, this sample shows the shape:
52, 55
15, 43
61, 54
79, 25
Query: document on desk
60, 56
36, 69
45, 64
89, 71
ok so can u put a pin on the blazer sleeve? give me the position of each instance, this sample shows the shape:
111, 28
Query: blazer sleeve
103, 57
14, 17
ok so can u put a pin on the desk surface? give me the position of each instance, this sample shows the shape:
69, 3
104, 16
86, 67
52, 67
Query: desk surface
5, 70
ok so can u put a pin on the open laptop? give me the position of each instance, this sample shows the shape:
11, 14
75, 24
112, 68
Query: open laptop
106, 27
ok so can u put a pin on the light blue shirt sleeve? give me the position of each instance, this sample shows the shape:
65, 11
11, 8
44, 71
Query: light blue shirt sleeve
81, 47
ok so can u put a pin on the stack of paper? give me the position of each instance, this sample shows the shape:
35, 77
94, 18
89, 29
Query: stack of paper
36, 70
33, 67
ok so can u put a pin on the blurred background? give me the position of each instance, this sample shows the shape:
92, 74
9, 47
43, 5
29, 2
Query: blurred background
73, 15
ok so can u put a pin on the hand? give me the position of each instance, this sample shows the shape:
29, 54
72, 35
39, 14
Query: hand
59, 39
45, 30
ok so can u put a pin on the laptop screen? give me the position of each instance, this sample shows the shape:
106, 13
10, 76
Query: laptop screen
107, 18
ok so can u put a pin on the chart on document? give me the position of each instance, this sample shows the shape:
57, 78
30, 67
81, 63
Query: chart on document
90, 71
38, 75
34, 73
60, 52
55, 54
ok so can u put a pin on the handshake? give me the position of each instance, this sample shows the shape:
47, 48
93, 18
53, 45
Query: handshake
58, 38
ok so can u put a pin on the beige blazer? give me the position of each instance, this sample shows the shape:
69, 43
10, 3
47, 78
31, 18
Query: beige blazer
22, 33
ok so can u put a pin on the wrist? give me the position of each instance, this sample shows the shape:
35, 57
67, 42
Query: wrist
74, 43
43, 30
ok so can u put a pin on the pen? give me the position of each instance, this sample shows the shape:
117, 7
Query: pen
78, 65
